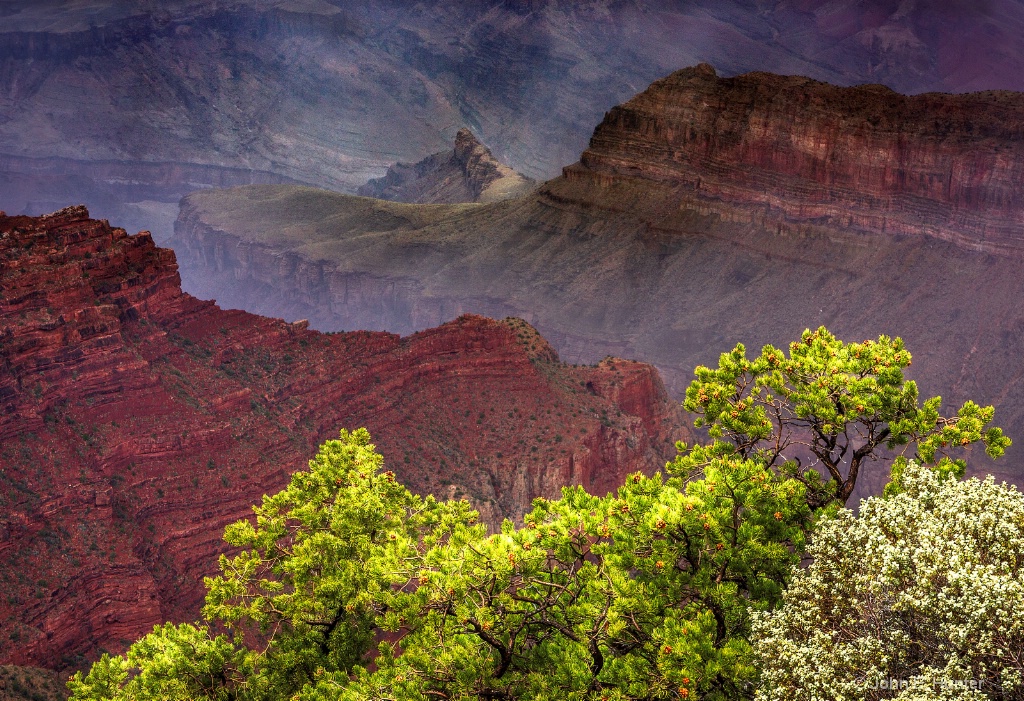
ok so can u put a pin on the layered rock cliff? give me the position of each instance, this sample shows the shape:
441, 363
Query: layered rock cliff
467, 173
137, 421
707, 211
787, 150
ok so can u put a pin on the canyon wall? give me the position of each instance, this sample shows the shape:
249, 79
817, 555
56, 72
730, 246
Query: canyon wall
786, 150
137, 421
332, 93
669, 241
136, 194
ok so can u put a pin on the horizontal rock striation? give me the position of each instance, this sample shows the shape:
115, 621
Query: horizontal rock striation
785, 150
467, 173
332, 93
137, 421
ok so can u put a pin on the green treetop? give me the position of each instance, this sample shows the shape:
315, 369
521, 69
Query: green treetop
350, 587
829, 407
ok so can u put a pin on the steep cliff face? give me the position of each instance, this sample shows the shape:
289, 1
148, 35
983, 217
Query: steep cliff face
467, 173
708, 211
786, 149
137, 421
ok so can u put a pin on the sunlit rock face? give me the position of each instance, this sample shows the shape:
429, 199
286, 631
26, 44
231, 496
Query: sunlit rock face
790, 150
469, 172
136, 422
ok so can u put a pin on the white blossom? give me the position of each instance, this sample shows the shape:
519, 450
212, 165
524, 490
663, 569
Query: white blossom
923, 591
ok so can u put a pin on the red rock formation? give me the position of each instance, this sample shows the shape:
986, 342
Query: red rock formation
781, 150
137, 421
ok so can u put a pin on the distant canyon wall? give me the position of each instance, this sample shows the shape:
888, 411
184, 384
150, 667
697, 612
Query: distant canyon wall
333, 93
138, 195
236, 271
790, 150
469, 172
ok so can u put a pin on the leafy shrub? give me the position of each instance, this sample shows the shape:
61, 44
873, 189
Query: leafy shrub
922, 591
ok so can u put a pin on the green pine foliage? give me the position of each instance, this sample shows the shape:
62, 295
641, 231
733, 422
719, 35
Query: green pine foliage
828, 409
350, 587
347, 586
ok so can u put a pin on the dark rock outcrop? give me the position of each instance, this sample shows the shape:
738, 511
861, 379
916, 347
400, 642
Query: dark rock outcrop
467, 173
137, 421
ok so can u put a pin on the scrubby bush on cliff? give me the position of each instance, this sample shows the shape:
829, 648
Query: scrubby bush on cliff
645, 594
923, 591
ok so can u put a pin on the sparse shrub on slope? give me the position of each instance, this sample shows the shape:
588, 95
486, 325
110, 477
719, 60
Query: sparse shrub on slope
920, 596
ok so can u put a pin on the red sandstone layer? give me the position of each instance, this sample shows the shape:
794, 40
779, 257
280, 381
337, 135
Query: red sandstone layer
778, 150
136, 422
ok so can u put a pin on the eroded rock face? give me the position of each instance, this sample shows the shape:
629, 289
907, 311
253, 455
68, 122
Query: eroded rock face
707, 212
137, 421
787, 149
467, 173
332, 93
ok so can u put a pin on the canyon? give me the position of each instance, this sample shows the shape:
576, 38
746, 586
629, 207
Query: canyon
331, 94
706, 211
137, 421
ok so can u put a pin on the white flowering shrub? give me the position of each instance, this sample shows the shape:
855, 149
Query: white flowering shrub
919, 597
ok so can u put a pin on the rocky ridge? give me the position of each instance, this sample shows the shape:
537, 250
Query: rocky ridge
670, 242
467, 173
788, 151
137, 421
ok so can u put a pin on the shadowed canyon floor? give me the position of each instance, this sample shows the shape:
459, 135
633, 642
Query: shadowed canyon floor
707, 211
137, 421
